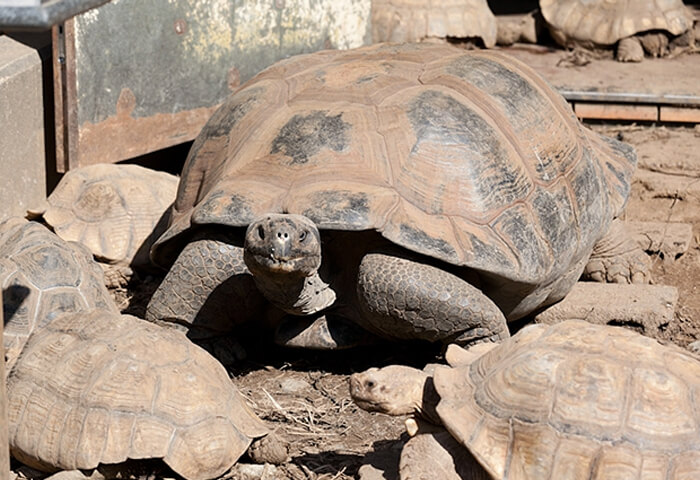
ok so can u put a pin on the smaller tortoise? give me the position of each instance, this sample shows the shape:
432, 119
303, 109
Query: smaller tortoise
635, 26
41, 276
114, 210
96, 388
569, 401
410, 21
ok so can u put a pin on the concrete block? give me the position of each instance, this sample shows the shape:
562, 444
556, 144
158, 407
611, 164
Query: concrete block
22, 156
671, 239
645, 308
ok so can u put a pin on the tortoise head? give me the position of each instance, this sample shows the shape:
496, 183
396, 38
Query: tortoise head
393, 390
283, 244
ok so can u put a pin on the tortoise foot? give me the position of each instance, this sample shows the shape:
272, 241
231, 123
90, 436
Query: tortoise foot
616, 258
269, 449
629, 50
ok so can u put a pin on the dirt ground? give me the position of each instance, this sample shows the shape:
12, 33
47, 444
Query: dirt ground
305, 394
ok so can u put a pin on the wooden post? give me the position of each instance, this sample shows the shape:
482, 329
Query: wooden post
4, 445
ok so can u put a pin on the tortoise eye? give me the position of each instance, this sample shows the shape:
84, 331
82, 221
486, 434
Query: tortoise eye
261, 232
302, 236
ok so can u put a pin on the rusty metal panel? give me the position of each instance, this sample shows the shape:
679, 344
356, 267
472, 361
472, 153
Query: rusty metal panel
135, 76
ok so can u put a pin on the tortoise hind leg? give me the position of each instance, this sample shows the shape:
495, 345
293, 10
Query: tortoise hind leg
405, 299
616, 258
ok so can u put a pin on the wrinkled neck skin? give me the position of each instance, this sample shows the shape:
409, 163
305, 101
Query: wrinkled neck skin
295, 294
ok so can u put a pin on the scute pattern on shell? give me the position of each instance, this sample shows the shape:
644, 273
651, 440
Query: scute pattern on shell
99, 387
111, 209
563, 401
42, 276
409, 21
467, 157
604, 22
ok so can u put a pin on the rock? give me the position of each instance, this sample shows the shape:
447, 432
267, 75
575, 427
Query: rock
644, 308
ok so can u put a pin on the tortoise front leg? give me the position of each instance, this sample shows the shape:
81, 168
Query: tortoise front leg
208, 288
405, 299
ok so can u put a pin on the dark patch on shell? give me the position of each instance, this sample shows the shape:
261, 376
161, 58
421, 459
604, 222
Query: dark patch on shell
230, 113
366, 79
555, 213
303, 136
488, 256
224, 119
424, 242
517, 227
524, 105
223, 208
591, 198
622, 185
440, 119
339, 208
511, 90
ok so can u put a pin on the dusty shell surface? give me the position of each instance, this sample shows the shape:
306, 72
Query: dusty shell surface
604, 22
577, 400
111, 209
409, 21
42, 276
97, 387
467, 157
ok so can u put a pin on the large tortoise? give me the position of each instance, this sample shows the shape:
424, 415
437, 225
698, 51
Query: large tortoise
448, 191
95, 389
635, 26
116, 211
42, 276
569, 401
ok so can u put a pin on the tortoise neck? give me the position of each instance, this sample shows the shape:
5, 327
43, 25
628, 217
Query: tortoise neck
296, 295
429, 402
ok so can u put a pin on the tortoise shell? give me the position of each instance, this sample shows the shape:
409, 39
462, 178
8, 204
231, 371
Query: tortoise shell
42, 276
99, 388
469, 157
577, 400
410, 21
111, 209
604, 22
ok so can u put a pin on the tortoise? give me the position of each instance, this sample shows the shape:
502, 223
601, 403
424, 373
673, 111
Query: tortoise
635, 26
114, 210
416, 191
42, 276
98, 389
568, 401
410, 21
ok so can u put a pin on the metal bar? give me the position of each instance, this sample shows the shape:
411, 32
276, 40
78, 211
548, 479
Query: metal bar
629, 97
